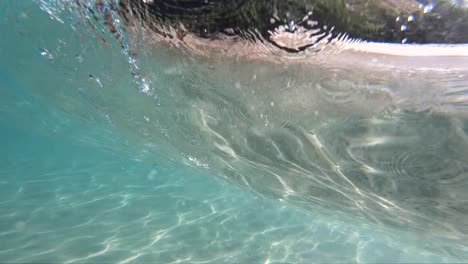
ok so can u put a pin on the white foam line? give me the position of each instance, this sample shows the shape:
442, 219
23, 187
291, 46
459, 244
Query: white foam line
375, 141
129, 259
238, 173
158, 237
91, 255
399, 208
318, 144
292, 191
313, 178
226, 150
307, 173
180, 260
209, 129
280, 154
321, 149
225, 220
288, 189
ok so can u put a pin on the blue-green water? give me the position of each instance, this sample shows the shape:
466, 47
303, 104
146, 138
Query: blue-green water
91, 170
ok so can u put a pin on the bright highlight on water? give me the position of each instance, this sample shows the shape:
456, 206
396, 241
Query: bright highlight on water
151, 132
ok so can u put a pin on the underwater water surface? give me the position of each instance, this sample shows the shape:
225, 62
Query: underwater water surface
170, 156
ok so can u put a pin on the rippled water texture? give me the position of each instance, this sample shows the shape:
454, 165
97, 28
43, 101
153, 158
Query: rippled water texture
140, 146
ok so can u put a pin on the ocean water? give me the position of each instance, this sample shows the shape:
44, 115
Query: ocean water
173, 156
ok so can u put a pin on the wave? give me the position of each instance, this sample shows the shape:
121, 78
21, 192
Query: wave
371, 131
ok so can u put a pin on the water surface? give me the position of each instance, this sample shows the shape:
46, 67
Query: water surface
163, 151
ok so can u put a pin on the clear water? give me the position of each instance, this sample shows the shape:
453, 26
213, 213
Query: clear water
99, 165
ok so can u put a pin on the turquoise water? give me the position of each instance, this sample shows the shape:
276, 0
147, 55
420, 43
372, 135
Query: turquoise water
95, 168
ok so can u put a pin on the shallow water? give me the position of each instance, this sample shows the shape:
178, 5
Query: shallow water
223, 159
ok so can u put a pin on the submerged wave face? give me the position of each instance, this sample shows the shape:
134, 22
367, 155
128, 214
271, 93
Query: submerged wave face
319, 128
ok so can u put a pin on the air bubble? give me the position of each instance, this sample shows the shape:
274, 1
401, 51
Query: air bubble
45, 53
428, 9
